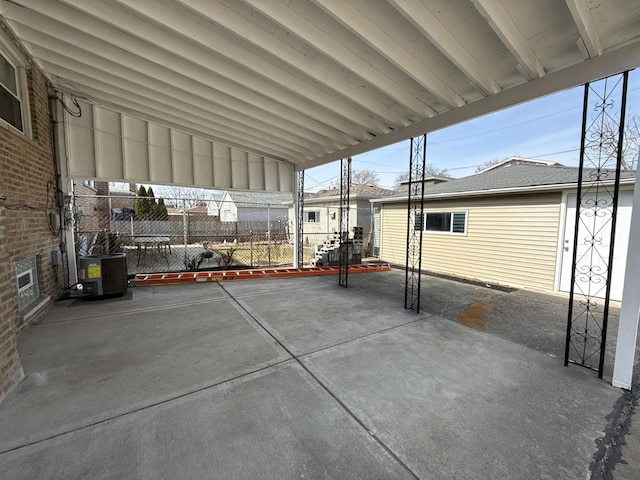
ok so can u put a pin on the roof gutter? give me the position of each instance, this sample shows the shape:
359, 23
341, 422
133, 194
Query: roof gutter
334, 198
497, 191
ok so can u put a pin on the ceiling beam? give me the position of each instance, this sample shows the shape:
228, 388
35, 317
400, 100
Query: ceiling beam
609, 63
152, 35
261, 39
586, 27
162, 82
376, 37
504, 26
261, 70
306, 30
223, 90
429, 26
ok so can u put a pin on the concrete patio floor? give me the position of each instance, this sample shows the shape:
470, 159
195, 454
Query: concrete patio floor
300, 378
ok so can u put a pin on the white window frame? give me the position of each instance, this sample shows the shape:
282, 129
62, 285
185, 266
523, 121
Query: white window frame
451, 222
316, 215
10, 53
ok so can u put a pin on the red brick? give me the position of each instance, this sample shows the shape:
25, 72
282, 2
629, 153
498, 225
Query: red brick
28, 181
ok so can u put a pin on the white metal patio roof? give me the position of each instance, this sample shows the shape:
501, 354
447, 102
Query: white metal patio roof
305, 82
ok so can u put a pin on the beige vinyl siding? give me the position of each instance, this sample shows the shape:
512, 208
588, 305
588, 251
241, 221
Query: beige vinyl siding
510, 240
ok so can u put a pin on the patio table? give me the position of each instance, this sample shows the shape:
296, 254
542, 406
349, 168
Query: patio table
157, 244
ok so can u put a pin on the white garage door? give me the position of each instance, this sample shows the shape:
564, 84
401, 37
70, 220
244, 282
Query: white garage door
603, 234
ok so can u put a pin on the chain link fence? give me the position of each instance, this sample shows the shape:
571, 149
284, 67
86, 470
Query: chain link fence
168, 235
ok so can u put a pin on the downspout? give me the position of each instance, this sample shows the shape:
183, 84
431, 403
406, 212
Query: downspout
327, 235
63, 194
59, 195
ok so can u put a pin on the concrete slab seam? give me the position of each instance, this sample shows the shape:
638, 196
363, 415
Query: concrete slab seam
73, 428
260, 329
348, 343
610, 445
392, 298
257, 294
262, 324
130, 312
368, 424
360, 422
273, 331
343, 405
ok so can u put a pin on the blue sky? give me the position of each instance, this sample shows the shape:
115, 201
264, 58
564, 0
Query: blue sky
547, 128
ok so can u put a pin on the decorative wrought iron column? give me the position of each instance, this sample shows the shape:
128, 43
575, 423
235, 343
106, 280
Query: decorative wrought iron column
596, 211
299, 205
343, 255
415, 223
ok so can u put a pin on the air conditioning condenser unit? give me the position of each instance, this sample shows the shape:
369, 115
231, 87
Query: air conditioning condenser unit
104, 274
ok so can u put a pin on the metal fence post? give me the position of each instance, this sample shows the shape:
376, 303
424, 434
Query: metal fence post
184, 231
109, 230
298, 223
269, 235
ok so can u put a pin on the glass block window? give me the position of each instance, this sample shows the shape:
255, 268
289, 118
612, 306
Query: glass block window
27, 279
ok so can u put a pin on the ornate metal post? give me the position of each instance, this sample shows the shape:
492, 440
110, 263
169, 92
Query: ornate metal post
595, 224
299, 229
415, 223
343, 252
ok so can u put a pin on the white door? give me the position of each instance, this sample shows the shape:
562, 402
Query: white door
596, 260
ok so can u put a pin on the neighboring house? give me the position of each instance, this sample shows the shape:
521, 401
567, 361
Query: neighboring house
199, 212
254, 206
96, 202
322, 212
512, 225
213, 204
91, 206
122, 200
97, 206
519, 161
428, 181
194, 222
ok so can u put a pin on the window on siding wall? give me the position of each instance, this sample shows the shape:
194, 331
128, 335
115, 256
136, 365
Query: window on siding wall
444, 222
312, 216
13, 91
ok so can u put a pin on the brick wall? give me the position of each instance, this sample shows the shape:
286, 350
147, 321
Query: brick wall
28, 185
93, 214
90, 209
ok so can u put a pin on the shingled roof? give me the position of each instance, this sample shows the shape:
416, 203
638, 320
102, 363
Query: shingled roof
249, 199
525, 177
370, 191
